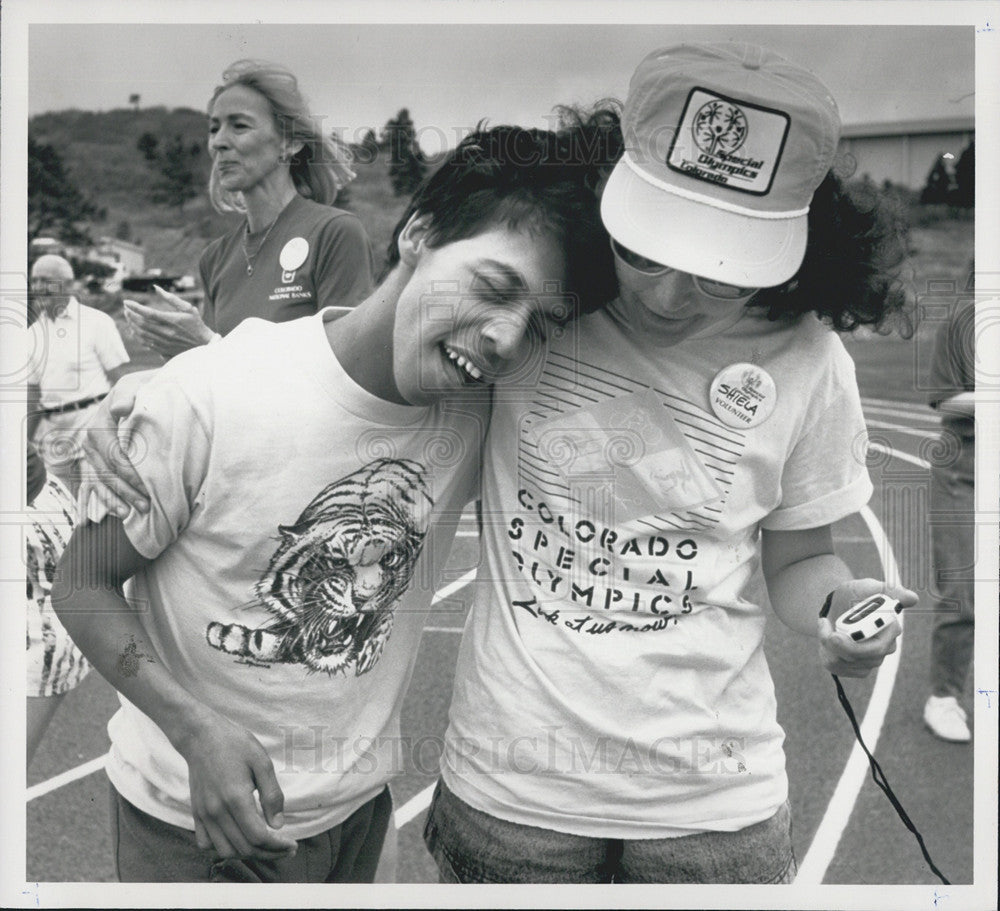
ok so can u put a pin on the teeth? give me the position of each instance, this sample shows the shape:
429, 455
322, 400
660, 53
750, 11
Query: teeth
465, 364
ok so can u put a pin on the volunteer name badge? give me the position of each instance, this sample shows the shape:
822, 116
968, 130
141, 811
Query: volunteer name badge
743, 395
292, 255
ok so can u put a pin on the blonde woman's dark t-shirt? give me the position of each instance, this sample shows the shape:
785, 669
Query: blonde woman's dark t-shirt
312, 256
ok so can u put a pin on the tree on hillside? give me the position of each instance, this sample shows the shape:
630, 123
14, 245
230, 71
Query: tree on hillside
407, 165
149, 145
938, 186
175, 164
965, 178
133, 100
55, 204
367, 150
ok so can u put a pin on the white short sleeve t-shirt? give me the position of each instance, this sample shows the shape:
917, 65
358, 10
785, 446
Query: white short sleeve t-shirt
297, 527
612, 681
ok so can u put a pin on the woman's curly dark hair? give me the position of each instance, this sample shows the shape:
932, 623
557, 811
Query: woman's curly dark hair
850, 275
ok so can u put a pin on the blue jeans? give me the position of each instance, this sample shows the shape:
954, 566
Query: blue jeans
474, 847
149, 850
953, 534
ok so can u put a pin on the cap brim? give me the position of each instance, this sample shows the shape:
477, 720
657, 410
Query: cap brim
700, 238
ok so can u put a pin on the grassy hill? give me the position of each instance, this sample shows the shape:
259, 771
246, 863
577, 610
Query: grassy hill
100, 152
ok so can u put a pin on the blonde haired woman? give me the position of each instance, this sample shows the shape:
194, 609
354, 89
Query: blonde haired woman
294, 253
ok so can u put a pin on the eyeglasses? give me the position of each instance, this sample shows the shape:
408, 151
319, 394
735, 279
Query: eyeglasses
47, 286
707, 286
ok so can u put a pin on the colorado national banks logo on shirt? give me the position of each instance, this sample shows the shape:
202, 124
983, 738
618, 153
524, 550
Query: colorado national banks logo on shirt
729, 142
743, 395
292, 255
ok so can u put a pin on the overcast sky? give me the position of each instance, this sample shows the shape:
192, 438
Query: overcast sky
451, 75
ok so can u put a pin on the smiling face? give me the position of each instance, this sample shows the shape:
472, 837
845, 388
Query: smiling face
51, 284
680, 302
476, 312
244, 140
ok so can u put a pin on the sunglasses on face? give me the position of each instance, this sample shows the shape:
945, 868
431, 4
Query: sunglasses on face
707, 286
47, 286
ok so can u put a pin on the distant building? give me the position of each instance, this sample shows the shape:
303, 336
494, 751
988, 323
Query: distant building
124, 257
904, 151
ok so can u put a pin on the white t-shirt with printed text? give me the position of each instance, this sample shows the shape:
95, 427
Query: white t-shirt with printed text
611, 681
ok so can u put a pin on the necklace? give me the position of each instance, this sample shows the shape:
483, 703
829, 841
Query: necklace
260, 246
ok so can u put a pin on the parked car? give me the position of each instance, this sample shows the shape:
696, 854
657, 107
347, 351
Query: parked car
140, 287
143, 284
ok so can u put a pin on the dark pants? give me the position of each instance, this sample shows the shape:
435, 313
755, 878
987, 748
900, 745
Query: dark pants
150, 850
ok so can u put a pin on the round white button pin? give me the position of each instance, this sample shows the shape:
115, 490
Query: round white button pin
293, 254
743, 395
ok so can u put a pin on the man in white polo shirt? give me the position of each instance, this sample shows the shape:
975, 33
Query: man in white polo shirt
76, 356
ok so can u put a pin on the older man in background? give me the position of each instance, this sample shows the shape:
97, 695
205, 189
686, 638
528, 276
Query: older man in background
76, 357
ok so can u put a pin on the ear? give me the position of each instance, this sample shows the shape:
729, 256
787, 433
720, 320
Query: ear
290, 149
412, 239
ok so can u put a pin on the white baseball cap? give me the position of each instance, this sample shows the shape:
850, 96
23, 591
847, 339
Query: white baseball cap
725, 145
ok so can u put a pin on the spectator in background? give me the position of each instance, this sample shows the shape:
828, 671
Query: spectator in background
294, 252
77, 356
952, 384
55, 664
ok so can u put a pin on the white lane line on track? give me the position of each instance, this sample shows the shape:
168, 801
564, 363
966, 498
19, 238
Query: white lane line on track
905, 456
68, 777
96, 764
420, 802
414, 806
914, 407
838, 813
453, 587
876, 424
926, 414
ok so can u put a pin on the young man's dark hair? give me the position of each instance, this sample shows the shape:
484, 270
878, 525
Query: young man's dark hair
513, 177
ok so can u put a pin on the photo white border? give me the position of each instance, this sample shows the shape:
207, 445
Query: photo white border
978, 14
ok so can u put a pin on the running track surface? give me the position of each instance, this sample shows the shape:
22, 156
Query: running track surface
845, 831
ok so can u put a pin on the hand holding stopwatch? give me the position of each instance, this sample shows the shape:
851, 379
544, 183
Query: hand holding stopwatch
866, 618
862, 621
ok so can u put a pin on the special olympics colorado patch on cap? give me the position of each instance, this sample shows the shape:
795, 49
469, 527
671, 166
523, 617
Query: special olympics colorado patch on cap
725, 145
726, 141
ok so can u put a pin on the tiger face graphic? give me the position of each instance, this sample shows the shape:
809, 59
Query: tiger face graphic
334, 581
